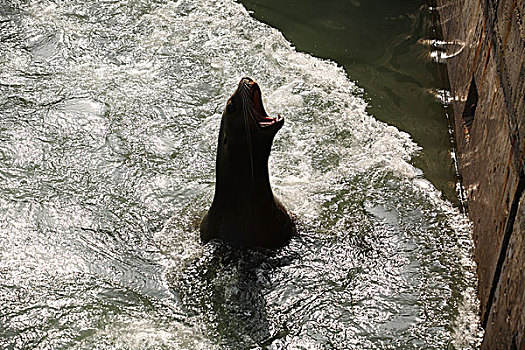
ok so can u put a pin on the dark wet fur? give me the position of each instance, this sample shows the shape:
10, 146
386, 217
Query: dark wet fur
244, 212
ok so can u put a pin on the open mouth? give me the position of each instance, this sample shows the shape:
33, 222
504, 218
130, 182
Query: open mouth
256, 105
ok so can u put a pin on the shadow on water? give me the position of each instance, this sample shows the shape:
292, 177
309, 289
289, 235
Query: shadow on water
382, 46
225, 288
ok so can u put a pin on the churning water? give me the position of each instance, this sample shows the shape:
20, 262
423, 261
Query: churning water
109, 117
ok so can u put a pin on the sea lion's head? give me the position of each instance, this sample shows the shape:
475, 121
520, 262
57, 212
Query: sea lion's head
245, 113
245, 139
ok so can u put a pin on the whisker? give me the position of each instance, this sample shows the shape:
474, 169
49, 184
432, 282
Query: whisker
246, 106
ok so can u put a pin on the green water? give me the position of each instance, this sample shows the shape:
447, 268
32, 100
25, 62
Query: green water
382, 46
109, 118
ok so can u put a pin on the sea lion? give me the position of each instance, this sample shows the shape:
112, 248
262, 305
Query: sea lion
244, 211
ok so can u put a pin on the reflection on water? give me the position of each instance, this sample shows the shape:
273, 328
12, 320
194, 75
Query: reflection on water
109, 115
383, 46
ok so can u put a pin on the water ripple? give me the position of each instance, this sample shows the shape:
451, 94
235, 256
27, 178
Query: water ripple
109, 113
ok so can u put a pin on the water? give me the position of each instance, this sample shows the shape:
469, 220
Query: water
386, 47
109, 115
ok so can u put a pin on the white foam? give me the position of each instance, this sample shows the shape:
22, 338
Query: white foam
152, 102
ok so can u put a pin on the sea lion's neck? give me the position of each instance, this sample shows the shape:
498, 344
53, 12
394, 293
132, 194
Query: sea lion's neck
242, 172
237, 180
